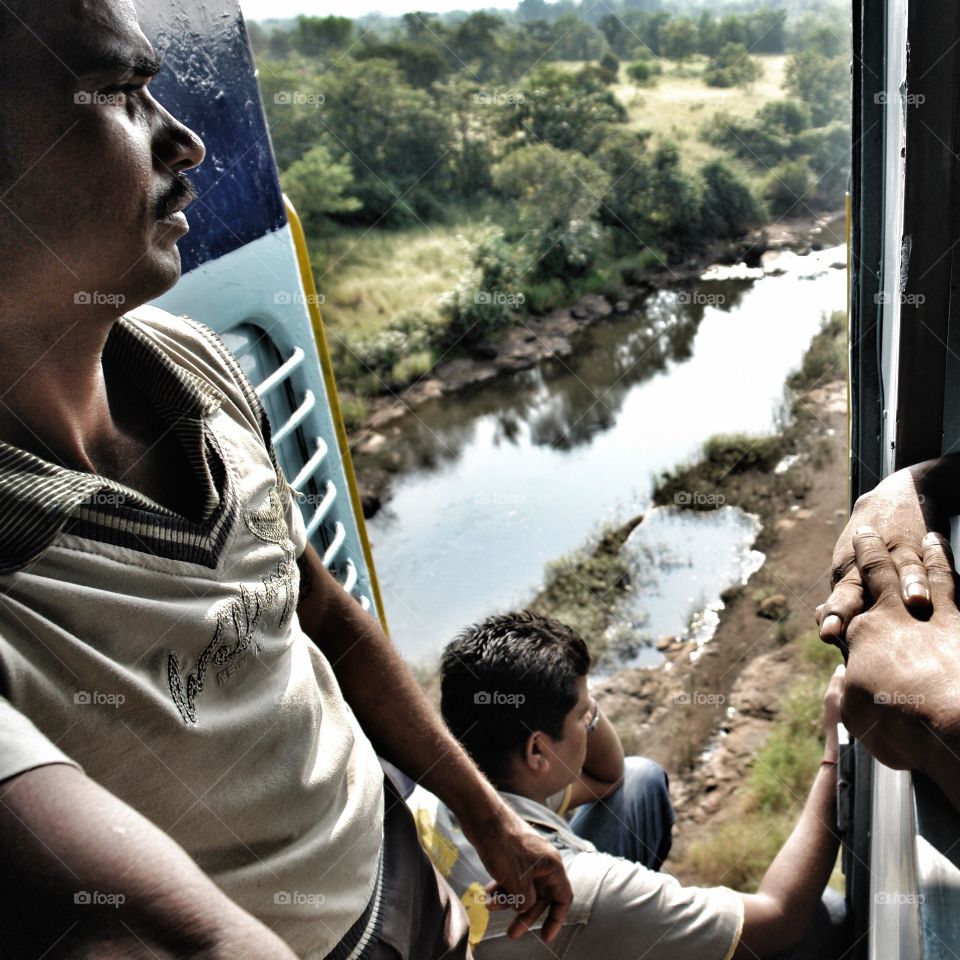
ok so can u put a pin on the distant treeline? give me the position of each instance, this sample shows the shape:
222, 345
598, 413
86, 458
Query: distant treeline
432, 45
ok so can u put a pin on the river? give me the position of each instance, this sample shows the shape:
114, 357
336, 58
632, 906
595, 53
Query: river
497, 482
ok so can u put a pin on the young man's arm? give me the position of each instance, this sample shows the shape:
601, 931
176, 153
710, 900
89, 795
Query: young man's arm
83, 875
779, 914
603, 768
406, 730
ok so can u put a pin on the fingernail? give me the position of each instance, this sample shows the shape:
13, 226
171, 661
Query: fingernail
831, 624
916, 591
864, 531
931, 540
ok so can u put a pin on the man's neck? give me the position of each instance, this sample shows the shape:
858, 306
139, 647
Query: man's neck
524, 787
54, 399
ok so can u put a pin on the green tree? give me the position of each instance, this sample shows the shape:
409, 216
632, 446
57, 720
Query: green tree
788, 117
575, 39
732, 67
820, 82
279, 44
729, 207
314, 36
558, 195
732, 29
626, 205
789, 188
551, 187
566, 110
709, 41
421, 65
674, 204
816, 34
319, 185
767, 30
828, 149
679, 39
475, 43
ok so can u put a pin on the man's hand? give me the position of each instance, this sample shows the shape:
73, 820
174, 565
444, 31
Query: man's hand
407, 731
902, 509
903, 679
530, 871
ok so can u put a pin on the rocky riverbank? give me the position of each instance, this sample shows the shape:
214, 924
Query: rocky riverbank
554, 335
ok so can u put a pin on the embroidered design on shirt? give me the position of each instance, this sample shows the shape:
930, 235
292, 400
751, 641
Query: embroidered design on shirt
269, 523
239, 620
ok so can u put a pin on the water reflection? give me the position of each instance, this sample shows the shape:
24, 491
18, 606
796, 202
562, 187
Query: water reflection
568, 402
681, 562
497, 482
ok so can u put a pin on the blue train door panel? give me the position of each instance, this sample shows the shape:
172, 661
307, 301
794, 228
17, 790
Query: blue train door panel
245, 272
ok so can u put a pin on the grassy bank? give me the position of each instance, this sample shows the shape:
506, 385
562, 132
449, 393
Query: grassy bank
583, 588
737, 853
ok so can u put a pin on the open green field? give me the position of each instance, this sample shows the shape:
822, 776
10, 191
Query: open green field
681, 102
369, 276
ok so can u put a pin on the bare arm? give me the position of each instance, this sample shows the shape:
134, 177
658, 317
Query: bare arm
83, 875
779, 914
406, 730
603, 768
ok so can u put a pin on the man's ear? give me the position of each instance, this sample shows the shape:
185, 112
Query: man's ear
533, 754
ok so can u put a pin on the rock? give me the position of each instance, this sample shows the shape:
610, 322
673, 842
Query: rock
622, 306
484, 350
530, 337
578, 313
370, 503
663, 643
775, 607
371, 444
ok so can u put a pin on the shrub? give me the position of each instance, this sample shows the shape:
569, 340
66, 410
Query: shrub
642, 72
485, 299
732, 67
353, 409
789, 187
413, 367
730, 208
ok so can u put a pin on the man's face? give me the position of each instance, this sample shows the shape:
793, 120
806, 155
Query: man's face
93, 171
567, 755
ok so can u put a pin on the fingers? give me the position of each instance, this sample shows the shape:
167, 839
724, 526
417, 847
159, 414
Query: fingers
843, 604
524, 921
553, 891
938, 563
875, 564
914, 585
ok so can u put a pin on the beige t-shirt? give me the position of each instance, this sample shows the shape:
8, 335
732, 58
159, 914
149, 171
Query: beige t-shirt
165, 657
620, 909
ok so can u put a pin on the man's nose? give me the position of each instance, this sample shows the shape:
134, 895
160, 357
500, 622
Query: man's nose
176, 146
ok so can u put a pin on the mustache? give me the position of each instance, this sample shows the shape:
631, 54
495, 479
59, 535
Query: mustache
180, 190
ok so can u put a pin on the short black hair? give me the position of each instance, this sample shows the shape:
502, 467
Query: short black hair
506, 678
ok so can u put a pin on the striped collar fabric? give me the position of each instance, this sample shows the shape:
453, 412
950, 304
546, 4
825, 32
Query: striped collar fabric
38, 498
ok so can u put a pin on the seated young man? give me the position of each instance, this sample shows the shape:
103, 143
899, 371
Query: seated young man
514, 692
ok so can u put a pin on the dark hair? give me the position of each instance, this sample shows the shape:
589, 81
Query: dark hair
505, 678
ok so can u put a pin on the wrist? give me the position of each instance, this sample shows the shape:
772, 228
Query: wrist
595, 718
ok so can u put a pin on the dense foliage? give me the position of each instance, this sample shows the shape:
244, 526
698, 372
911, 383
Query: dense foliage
389, 124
